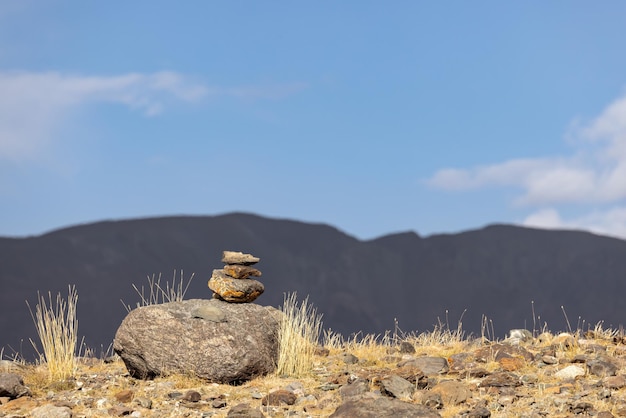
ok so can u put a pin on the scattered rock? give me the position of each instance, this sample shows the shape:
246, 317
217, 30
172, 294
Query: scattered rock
582, 408
244, 410
413, 375
601, 368
479, 412
168, 338
119, 411
12, 386
192, 396
510, 364
406, 347
349, 358
432, 400
397, 387
218, 403
549, 359
143, 402
279, 397
354, 389
428, 365
501, 379
452, 392
614, 382
498, 351
382, 408
296, 387
124, 396
51, 411
570, 372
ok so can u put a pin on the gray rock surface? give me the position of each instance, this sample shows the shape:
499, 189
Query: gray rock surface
176, 338
382, 407
51, 411
12, 386
279, 397
570, 372
452, 392
244, 410
397, 387
601, 368
501, 379
355, 389
428, 365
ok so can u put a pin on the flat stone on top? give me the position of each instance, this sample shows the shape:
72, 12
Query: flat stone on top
237, 257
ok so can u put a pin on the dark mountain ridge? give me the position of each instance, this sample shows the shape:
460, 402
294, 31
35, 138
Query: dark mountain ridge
496, 271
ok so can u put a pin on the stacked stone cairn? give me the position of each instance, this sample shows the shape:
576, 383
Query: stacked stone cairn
233, 283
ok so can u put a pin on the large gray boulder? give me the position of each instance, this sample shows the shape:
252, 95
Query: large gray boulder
212, 339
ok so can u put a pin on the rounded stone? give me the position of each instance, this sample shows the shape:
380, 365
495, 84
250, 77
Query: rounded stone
235, 290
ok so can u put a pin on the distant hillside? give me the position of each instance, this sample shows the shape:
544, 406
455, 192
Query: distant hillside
357, 285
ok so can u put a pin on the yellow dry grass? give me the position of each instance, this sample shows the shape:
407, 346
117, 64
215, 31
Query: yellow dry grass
57, 328
539, 395
298, 337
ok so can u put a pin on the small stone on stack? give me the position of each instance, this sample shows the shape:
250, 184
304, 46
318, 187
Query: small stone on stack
232, 283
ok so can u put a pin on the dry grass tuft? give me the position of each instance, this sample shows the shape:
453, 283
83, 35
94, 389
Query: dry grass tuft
299, 337
57, 328
442, 340
369, 348
156, 294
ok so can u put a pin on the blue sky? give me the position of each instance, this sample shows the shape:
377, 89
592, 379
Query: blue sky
373, 117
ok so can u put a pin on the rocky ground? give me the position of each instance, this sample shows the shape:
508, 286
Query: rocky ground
438, 374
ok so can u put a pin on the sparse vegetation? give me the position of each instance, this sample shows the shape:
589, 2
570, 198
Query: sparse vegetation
155, 294
299, 337
57, 328
376, 354
299, 362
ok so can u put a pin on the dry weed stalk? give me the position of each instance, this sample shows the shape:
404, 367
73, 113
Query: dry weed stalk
299, 336
57, 328
157, 294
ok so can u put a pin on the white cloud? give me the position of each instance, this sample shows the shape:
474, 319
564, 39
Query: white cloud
595, 172
610, 222
34, 105
548, 218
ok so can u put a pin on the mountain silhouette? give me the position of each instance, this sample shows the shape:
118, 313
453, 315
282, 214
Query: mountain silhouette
500, 272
